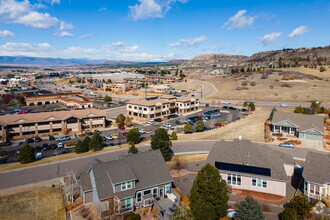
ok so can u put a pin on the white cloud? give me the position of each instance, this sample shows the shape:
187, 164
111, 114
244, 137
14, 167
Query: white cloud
103, 9
239, 21
270, 38
298, 31
151, 8
65, 26
22, 12
26, 49
189, 41
55, 2
63, 34
5, 34
86, 35
211, 47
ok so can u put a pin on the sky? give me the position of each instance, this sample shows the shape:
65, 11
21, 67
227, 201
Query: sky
159, 30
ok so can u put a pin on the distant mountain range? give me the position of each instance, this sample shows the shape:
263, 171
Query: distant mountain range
307, 55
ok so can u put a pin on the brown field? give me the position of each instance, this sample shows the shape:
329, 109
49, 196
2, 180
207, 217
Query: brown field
250, 128
41, 203
186, 85
274, 88
188, 158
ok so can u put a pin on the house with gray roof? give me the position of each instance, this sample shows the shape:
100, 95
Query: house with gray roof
119, 186
310, 127
316, 174
245, 165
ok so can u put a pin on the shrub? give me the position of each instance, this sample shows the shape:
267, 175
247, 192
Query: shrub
253, 83
132, 149
322, 69
174, 136
188, 128
244, 83
271, 87
132, 216
286, 85
120, 120
279, 135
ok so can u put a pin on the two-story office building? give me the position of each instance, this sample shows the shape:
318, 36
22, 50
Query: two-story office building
119, 186
14, 127
150, 109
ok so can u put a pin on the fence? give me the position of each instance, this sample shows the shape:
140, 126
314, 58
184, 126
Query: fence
184, 198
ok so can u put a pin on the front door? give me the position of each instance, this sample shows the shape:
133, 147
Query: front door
161, 192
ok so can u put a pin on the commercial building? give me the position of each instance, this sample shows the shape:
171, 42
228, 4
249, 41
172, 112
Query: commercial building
119, 87
74, 100
31, 125
161, 107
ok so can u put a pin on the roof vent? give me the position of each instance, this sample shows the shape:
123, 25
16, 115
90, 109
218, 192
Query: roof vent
248, 154
247, 163
239, 137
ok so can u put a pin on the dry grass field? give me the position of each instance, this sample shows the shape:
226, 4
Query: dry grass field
250, 127
186, 85
289, 85
41, 203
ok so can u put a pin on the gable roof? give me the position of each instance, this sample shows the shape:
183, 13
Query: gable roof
50, 116
148, 168
241, 152
316, 167
304, 122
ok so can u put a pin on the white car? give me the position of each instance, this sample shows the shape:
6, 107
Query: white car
284, 105
109, 137
151, 122
142, 131
167, 125
60, 145
226, 102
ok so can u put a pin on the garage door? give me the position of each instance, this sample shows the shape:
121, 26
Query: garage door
313, 137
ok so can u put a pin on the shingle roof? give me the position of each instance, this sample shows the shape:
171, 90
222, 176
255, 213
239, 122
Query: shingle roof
49, 116
258, 155
85, 182
304, 122
317, 167
149, 168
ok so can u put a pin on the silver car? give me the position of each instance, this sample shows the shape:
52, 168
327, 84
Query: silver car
287, 145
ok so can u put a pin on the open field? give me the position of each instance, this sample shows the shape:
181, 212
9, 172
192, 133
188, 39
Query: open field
186, 85
251, 128
276, 86
188, 158
40, 203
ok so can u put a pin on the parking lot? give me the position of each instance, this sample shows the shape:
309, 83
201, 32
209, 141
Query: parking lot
226, 116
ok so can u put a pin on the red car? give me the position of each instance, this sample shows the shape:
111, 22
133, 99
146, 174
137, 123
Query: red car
217, 125
125, 133
121, 127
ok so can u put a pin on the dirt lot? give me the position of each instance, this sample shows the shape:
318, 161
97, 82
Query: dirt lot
41, 203
250, 127
299, 87
186, 85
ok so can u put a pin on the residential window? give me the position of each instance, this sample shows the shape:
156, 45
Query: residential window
317, 190
151, 109
259, 182
138, 196
147, 192
135, 107
144, 109
311, 188
127, 185
129, 106
167, 189
105, 206
234, 179
126, 203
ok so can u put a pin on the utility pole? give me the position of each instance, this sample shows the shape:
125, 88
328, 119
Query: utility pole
201, 91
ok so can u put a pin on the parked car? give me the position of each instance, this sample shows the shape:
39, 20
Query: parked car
51, 138
30, 140
125, 133
232, 108
207, 105
217, 125
38, 148
45, 147
244, 110
97, 131
121, 127
109, 137
142, 139
53, 146
39, 156
167, 125
142, 131
286, 144
60, 145
114, 136
104, 138
111, 144
38, 139
284, 105
63, 138
158, 120
178, 122
151, 122
206, 117
118, 143
18, 150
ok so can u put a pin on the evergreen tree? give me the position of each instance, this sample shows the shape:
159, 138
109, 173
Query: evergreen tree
78, 148
133, 136
249, 209
182, 214
120, 120
301, 206
208, 195
96, 142
174, 136
188, 128
128, 122
26, 154
245, 104
288, 214
200, 126
252, 107
315, 107
132, 149
161, 140
107, 99
86, 142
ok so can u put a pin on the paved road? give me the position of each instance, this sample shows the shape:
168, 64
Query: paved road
208, 89
51, 171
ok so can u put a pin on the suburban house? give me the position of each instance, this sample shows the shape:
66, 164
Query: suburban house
162, 88
310, 127
50, 123
316, 176
161, 107
74, 100
248, 166
120, 186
